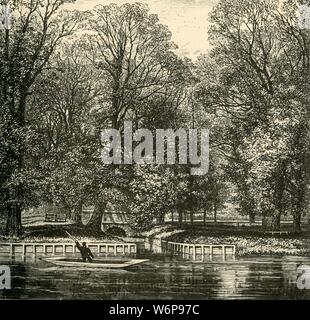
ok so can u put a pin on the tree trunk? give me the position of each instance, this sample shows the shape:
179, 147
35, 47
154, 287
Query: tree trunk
15, 155
276, 222
301, 176
252, 217
77, 214
264, 222
14, 221
279, 194
160, 219
180, 217
271, 222
95, 221
297, 222
204, 217
13, 207
299, 203
191, 216
297, 211
14, 193
215, 211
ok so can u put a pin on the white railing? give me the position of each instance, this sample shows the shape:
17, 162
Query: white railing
194, 250
66, 248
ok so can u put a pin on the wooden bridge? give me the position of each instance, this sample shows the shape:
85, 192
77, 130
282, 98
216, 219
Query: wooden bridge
116, 223
115, 220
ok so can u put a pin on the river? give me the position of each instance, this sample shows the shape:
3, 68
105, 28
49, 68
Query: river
160, 278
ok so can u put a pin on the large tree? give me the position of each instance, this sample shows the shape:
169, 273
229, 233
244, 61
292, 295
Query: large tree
145, 79
38, 27
62, 112
135, 51
257, 82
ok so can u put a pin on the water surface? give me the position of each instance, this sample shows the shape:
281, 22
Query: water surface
160, 278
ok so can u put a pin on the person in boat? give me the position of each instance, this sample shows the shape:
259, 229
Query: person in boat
85, 252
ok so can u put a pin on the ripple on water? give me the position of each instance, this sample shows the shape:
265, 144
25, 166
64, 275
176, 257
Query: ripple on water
245, 278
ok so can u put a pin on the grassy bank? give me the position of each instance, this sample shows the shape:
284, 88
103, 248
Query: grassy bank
57, 233
247, 241
251, 245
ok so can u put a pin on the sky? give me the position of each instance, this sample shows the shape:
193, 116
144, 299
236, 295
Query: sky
186, 19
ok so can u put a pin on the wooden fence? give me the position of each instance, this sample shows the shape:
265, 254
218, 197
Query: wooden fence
115, 249
198, 250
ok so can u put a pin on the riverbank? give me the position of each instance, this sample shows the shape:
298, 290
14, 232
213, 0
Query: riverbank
250, 245
57, 233
246, 244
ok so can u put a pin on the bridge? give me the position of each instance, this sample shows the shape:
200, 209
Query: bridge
114, 220
116, 223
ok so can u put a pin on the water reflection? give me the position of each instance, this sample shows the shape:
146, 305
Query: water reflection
162, 278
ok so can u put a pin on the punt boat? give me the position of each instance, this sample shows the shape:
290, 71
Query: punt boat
96, 264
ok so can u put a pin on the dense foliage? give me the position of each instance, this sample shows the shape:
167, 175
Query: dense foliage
67, 75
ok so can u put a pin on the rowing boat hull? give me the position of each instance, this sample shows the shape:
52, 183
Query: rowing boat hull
63, 262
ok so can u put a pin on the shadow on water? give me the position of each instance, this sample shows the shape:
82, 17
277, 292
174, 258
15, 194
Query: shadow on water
161, 278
